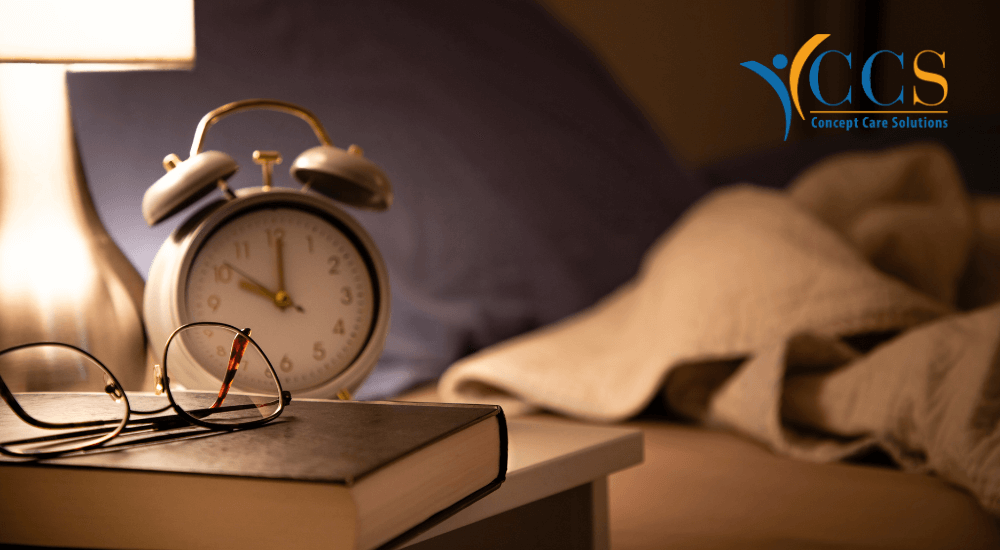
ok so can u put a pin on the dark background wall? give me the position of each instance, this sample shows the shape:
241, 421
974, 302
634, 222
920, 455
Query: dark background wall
679, 61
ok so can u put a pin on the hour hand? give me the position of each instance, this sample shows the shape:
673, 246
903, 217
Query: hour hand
280, 298
249, 284
256, 288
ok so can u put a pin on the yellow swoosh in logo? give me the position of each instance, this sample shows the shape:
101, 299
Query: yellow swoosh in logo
798, 63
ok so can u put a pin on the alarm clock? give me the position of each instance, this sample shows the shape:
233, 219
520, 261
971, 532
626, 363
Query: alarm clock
288, 263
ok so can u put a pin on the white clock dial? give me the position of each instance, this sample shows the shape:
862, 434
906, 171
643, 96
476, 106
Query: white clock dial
297, 280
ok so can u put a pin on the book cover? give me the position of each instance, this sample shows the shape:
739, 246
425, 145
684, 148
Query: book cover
325, 443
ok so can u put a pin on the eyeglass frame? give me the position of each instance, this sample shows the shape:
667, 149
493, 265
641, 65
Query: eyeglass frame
114, 389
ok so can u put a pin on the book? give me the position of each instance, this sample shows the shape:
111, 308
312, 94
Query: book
326, 474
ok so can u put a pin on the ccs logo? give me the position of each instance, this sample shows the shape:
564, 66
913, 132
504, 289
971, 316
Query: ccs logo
790, 95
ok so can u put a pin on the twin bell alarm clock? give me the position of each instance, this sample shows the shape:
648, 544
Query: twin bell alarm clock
288, 263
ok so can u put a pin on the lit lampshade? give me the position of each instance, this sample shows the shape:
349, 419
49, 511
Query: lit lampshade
61, 276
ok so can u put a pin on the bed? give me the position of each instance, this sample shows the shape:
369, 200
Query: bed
529, 188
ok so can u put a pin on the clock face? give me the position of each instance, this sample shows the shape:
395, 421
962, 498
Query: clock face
297, 280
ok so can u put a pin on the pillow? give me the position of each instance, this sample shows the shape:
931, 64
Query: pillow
527, 185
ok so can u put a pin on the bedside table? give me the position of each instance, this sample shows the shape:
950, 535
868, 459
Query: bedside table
556, 493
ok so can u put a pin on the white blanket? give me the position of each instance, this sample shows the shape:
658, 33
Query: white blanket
821, 321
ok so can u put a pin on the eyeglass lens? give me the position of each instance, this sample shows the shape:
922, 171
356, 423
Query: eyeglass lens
239, 385
69, 393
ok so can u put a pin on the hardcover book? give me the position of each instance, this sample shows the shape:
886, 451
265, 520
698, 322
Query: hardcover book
326, 474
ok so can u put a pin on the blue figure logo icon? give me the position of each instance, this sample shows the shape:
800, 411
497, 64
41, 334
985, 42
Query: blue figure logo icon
779, 62
789, 95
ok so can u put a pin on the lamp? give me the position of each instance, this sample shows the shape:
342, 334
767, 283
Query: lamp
62, 278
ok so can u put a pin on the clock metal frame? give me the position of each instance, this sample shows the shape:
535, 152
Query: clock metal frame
164, 301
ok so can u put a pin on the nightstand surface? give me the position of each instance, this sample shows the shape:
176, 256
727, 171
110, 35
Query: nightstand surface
551, 460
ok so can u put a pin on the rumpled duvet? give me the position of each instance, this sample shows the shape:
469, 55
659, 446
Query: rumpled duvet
855, 310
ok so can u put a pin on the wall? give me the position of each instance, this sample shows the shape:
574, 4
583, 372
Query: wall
679, 61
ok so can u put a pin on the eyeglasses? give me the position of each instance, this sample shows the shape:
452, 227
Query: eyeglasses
62, 399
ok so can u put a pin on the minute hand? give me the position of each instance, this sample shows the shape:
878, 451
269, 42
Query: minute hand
278, 246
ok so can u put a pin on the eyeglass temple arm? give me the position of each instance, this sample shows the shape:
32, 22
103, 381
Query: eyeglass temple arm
240, 342
99, 427
161, 423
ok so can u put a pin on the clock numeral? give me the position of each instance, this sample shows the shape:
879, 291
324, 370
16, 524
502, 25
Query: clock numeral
274, 234
223, 273
208, 333
339, 327
242, 249
214, 302
309, 239
334, 264
285, 364
345, 296
318, 352
220, 351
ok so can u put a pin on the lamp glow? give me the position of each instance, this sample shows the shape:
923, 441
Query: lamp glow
131, 32
61, 276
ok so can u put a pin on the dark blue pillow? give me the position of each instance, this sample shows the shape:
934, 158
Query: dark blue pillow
527, 185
